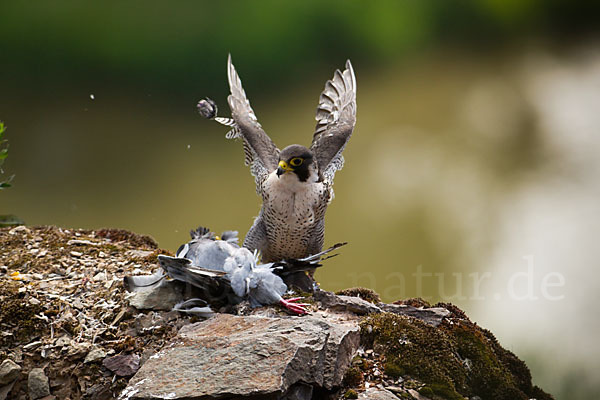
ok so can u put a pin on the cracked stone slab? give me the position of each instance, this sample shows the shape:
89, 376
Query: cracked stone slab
352, 304
227, 356
432, 316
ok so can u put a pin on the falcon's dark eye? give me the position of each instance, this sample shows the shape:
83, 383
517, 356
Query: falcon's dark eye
296, 162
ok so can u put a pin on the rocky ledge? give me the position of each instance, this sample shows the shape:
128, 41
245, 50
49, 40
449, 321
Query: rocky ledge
69, 329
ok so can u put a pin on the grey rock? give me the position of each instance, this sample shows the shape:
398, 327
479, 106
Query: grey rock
432, 316
123, 364
37, 383
162, 296
5, 390
376, 393
9, 371
416, 395
299, 391
230, 356
352, 304
62, 341
95, 354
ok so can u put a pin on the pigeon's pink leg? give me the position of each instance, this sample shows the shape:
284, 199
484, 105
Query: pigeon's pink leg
296, 308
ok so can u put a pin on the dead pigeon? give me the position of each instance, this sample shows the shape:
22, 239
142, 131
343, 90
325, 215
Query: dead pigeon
210, 262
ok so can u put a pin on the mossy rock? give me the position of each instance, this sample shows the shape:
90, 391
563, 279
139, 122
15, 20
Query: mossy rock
353, 377
361, 292
455, 360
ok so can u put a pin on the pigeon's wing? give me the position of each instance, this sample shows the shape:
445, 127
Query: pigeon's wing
261, 153
182, 269
336, 117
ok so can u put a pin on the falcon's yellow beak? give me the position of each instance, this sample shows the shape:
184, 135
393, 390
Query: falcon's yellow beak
283, 168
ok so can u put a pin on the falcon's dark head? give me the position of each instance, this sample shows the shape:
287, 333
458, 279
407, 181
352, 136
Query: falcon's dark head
297, 159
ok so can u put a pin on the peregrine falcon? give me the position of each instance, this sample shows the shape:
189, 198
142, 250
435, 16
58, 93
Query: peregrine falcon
295, 183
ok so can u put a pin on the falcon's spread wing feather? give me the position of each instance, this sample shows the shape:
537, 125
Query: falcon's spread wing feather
261, 153
336, 116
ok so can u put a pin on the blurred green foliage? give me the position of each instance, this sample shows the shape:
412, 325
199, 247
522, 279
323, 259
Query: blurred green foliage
140, 43
3, 154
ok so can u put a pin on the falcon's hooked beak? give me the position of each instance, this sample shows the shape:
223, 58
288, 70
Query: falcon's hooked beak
283, 168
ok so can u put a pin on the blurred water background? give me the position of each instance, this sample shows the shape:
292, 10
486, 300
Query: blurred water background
472, 176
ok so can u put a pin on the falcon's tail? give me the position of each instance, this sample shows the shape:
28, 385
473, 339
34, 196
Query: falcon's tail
291, 266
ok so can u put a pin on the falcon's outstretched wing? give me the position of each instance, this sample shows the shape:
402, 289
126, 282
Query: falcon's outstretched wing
261, 153
336, 116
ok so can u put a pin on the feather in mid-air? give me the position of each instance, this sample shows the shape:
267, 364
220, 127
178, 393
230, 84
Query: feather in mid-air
295, 183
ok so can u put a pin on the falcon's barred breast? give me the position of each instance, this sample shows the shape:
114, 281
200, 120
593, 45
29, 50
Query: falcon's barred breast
295, 183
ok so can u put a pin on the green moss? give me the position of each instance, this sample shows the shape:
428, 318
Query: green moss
351, 394
453, 360
437, 391
16, 313
392, 369
353, 377
414, 348
364, 293
414, 302
426, 391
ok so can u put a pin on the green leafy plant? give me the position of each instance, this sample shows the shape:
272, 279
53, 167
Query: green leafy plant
3, 155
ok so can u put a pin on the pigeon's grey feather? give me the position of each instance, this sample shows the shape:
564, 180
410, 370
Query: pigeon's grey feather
206, 252
336, 117
230, 237
264, 287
